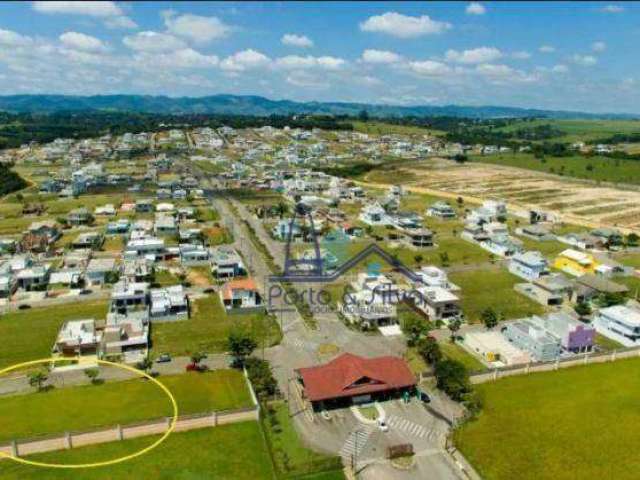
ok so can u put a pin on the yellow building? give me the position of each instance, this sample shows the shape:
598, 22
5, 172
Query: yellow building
575, 263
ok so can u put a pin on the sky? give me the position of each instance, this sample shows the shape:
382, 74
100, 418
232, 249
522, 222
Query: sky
568, 56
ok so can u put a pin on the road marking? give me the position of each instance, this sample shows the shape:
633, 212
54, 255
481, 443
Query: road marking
355, 442
409, 427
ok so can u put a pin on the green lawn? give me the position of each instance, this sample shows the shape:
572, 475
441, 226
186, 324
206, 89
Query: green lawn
493, 288
228, 452
30, 334
454, 351
602, 168
91, 406
580, 130
381, 128
290, 455
208, 328
569, 424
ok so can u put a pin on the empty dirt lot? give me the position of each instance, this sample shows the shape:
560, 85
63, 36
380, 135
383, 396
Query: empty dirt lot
574, 201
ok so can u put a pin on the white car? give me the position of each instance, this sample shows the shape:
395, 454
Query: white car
382, 425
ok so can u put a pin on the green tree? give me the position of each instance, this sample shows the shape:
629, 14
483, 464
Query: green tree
489, 318
241, 345
452, 378
583, 309
197, 357
418, 259
93, 374
145, 364
429, 349
632, 239
37, 380
261, 377
444, 259
414, 329
453, 326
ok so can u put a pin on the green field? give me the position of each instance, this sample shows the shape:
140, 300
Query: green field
125, 402
290, 455
30, 334
603, 169
580, 130
228, 452
454, 351
574, 423
208, 328
381, 128
493, 288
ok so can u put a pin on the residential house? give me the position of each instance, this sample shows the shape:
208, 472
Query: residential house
589, 286
620, 323
119, 227
441, 210
35, 277
552, 289
8, 281
168, 304
226, 263
575, 263
373, 214
125, 337
88, 241
240, 294
144, 206
286, 227
165, 225
137, 270
438, 303
127, 296
106, 210
530, 337
583, 241
418, 237
574, 336
150, 247
535, 232
98, 269
528, 265
494, 348
78, 338
490, 211
79, 216
194, 254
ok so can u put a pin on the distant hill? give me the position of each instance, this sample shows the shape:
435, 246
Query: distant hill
260, 106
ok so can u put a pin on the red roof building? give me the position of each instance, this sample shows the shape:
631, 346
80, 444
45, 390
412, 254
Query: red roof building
349, 376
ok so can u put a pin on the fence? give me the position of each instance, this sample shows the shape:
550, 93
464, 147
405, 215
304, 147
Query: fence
574, 361
68, 440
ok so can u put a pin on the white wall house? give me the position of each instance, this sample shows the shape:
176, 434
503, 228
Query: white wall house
528, 265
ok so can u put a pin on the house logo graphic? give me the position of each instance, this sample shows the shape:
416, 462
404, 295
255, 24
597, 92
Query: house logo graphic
316, 268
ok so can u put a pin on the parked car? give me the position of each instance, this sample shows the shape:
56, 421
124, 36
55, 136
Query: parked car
382, 425
424, 397
164, 358
196, 367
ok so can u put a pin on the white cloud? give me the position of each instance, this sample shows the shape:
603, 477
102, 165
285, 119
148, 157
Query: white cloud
196, 27
598, 46
109, 12
584, 60
521, 55
120, 22
80, 41
547, 49
475, 8
380, 56
473, 56
153, 42
297, 62
293, 40
179, 59
501, 74
430, 68
613, 9
306, 80
244, 60
9, 38
560, 68
403, 26
90, 9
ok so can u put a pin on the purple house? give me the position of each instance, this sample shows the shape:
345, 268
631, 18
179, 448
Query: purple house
574, 335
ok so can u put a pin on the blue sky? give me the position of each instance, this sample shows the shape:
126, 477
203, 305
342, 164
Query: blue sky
577, 56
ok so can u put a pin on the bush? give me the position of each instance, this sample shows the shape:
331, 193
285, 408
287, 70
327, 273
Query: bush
261, 377
452, 378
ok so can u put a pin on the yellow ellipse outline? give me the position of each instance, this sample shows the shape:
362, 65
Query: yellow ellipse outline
147, 449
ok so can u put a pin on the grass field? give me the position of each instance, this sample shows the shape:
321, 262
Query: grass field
455, 352
228, 452
30, 334
91, 406
492, 288
602, 168
208, 328
573, 423
581, 130
290, 455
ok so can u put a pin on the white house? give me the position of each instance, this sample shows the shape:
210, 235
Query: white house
528, 265
373, 214
620, 323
